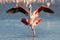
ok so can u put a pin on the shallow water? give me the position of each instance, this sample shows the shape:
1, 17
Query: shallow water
14, 30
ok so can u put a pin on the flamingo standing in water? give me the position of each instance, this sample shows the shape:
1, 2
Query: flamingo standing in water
33, 18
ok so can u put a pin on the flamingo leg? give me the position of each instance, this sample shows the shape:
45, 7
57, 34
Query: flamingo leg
33, 30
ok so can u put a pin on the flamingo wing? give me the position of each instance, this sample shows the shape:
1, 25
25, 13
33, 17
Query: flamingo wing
24, 20
44, 8
18, 9
12, 10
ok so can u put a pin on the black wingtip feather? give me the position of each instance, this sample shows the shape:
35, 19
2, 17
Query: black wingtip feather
48, 10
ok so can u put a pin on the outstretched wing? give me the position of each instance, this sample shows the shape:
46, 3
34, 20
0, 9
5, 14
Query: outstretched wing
44, 8
18, 9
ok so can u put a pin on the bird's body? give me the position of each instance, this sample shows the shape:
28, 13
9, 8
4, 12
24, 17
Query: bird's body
33, 18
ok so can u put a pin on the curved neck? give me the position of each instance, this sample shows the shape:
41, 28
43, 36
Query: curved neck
30, 9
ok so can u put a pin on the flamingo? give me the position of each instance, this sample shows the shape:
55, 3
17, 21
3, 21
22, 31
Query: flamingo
33, 18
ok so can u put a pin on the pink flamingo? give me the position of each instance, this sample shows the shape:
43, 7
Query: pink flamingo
33, 18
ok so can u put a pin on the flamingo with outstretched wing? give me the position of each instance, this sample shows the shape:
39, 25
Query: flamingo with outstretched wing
33, 19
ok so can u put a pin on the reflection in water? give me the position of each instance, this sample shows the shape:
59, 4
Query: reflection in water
48, 21
48, 24
33, 38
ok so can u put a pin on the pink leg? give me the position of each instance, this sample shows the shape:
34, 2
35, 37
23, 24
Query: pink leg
33, 31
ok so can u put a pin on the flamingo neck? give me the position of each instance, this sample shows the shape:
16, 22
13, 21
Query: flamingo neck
30, 10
